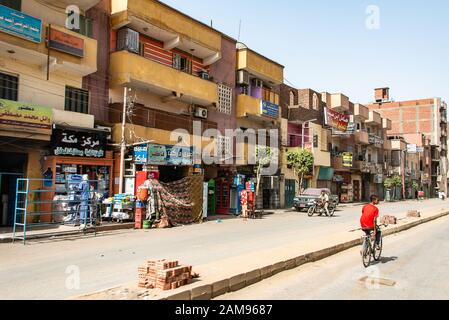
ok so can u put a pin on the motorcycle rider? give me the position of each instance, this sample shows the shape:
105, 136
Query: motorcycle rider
324, 199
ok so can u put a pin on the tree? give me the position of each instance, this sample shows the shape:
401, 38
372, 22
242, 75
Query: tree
301, 162
392, 183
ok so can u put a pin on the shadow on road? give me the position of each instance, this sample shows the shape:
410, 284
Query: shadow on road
384, 260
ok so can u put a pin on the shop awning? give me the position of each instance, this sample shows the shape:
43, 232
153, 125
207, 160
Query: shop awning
326, 174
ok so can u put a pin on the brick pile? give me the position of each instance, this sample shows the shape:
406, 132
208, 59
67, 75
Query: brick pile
164, 275
388, 220
414, 214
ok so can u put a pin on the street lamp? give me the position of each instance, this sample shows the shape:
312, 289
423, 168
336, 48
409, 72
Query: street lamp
303, 126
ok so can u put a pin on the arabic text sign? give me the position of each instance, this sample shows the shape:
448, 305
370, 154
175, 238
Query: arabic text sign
141, 154
269, 109
78, 144
412, 148
336, 120
65, 42
20, 25
347, 159
29, 118
170, 155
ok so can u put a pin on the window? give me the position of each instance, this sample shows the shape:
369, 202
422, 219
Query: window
292, 98
224, 99
13, 4
358, 126
224, 151
182, 63
315, 102
76, 100
9, 87
369, 157
85, 25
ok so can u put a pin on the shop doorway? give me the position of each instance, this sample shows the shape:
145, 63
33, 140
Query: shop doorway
12, 167
290, 190
356, 184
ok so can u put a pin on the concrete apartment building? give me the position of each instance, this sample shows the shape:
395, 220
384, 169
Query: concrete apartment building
421, 116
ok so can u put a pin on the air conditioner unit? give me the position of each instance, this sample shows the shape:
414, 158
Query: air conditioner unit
106, 129
243, 77
128, 39
258, 83
201, 113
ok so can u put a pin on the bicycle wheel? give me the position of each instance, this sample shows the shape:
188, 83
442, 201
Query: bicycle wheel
331, 212
377, 252
366, 253
311, 211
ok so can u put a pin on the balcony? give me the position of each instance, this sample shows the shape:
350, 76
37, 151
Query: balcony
376, 141
387, 145
374, 118
361, 112
398, 145
260, 67
387, 124
128, 69
361, 137
82, 4
337, 165
339, 102
252, 109
173, 28
36, 52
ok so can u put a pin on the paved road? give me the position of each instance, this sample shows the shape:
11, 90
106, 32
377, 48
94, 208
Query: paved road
38, 270
415, 266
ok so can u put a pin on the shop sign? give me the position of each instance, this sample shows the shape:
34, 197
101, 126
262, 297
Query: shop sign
412, 148
78, 143
336, 120
308, 146
269, 109
170, 155
20, 25
347, 159
376, 140
141, 154
25, 117
65, 42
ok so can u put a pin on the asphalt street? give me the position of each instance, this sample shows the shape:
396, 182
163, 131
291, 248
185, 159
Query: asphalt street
415, 265
43, 269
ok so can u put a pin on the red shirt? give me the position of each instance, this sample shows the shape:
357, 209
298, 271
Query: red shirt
369, 213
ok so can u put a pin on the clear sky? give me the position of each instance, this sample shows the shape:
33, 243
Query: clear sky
326, 44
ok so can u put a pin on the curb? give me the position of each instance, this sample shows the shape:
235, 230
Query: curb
124, 226
238, 282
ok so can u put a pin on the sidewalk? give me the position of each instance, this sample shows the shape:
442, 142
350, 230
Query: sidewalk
235, 273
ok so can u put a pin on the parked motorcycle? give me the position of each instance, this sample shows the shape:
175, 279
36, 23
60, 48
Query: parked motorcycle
318, 207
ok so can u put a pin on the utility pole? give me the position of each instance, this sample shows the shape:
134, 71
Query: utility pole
123, 142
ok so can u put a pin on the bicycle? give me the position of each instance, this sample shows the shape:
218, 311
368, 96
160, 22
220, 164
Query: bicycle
370, 250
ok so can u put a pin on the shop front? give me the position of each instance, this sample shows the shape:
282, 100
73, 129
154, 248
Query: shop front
25, 133
342, 186
325, 176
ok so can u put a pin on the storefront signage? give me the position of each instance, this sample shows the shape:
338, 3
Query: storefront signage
30, 118
65, 42
336, 120
20, 25
308, 146
78, 143
141, 154
376, 140
420, 149
167, 155
347, 159
269, 109
412, 148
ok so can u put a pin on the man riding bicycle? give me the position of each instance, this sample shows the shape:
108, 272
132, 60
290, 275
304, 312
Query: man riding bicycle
324, 199
368, 221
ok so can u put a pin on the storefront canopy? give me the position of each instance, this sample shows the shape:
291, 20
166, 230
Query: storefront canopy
326, 174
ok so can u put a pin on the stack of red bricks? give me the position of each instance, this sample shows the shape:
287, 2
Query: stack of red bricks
164, 275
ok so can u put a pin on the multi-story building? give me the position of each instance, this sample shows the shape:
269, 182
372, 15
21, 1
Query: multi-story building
43, 63
258, 88
426, 116
181, 93
303, 127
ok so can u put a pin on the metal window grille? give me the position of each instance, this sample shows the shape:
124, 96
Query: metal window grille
224, 99
9, 87
224, 148
76, 100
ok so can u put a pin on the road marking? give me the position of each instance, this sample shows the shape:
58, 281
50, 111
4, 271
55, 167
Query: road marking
380, 281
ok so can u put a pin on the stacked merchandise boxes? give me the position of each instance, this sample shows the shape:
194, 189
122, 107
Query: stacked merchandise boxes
164, 275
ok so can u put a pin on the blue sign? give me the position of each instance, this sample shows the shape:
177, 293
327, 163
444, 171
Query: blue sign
21, 25
141, 154
269, 109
